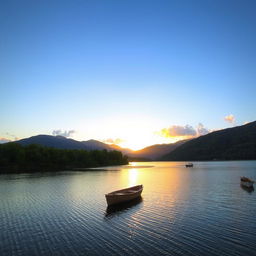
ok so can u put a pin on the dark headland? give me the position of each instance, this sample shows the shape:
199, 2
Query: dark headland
15, 158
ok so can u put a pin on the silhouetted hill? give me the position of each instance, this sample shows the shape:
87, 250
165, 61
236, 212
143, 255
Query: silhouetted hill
238, 143
155, 152
64, 143
149, 153
59, 142
94, 144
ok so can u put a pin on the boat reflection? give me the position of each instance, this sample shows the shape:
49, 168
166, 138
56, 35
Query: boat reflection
247, 189
117, 209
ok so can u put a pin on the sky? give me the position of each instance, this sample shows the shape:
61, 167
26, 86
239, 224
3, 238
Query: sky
135, 73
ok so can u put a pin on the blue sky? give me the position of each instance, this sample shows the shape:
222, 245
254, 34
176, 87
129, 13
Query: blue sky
125, 69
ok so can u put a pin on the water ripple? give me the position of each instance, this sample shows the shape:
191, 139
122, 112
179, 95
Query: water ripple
203, 211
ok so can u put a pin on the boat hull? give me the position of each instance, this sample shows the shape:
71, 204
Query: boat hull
247, 184
124, 195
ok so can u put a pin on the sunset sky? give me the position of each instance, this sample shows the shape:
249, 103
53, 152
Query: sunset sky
134, 73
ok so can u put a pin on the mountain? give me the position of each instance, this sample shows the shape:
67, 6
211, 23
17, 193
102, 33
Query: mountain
155, 152
53, 141
64, 143
149, 153
238, 143
94, 144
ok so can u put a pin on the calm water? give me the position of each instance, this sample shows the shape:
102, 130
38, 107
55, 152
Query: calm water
183, 211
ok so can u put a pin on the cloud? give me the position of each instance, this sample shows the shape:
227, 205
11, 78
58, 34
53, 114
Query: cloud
230, 118
184, 132
12, 135
4, 140
113, 141
201, 130
63, 133
178, 131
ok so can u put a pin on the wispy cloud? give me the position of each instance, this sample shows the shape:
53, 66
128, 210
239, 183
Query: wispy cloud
113, 141
230, 118
14, 137
184, 132
63, 133
4, 140
201, 130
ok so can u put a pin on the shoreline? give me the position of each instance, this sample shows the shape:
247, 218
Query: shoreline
56, 169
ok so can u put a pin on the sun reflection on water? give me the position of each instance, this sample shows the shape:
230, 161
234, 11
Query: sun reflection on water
133, 177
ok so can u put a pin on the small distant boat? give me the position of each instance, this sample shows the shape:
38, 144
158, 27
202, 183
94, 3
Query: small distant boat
246, 182
189, 165
124, 195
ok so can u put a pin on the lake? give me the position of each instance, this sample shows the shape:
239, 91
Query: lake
183, 211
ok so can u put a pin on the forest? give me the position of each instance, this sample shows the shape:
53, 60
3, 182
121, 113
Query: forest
17, 158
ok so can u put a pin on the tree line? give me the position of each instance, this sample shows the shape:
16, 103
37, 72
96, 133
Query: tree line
17, 158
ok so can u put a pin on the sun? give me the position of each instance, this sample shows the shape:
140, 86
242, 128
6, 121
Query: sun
134, 145
134, 132
135, 141
138, 140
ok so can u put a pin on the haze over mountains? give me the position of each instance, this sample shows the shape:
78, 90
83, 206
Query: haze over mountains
227, 144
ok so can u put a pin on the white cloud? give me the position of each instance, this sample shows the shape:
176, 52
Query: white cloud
230, 118
201, 130
186, 131
178, 131
63, 133
113, 141
14, 137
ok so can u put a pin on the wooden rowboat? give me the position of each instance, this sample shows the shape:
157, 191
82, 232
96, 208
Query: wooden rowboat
246, 182
124, 195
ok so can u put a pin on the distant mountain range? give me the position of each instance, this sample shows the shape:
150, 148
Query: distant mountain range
153, 152
238, 143
63, 142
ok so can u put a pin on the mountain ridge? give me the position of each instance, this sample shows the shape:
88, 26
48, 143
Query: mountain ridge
149, 153
236, 143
